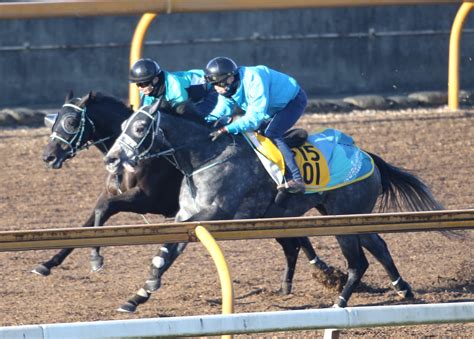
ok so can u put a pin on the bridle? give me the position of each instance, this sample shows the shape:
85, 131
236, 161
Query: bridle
169, 153
76, 144
132, 146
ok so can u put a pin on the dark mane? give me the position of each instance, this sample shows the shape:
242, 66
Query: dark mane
188, 116
114, 102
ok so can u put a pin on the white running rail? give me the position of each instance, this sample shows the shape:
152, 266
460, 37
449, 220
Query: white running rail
258, 322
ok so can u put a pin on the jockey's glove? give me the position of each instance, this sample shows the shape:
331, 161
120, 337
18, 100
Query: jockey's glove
217, 133
222, 121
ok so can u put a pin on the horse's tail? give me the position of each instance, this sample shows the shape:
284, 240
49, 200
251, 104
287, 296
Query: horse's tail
402, 189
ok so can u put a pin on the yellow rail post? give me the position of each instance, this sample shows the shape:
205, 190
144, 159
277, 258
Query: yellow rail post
454, 55
136, 50
223, 270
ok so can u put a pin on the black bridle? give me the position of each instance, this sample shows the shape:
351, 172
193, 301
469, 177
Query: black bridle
131, 146
76, 143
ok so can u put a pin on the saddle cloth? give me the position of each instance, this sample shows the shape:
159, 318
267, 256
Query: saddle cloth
328, 160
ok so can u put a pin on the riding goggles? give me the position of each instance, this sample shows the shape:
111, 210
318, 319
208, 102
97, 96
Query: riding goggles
217, 80
144, 84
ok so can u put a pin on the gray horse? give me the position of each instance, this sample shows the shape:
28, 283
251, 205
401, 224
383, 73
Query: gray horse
96, 119
224, 180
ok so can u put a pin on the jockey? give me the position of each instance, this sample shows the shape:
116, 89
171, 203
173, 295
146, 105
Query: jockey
176, 89
273, 102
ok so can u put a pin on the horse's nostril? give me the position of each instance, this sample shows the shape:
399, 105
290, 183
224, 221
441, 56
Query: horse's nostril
49, 158
110, 160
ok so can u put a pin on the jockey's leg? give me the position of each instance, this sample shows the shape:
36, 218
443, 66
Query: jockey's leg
280, 123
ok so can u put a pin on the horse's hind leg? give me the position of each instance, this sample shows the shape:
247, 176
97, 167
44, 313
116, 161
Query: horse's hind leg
291, 248
378, 248
159, 265
357, 265
44, 268
331, 278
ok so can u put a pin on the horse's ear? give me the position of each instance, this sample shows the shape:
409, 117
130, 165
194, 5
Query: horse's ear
85, 99
154, 107
69, 96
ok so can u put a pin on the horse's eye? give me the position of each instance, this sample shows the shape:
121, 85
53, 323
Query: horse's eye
70, 124
139, 128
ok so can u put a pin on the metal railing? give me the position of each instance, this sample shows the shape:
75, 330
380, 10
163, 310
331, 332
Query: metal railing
236, 229
43, 9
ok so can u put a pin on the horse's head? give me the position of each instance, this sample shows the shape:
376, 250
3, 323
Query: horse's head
141, 134
70, 130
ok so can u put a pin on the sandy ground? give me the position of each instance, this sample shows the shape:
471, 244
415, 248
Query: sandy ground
436, 143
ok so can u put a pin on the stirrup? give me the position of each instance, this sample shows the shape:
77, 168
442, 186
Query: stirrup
293, 186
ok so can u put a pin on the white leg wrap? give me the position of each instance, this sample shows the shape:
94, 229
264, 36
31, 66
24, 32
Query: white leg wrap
158, 262
164, 249
396, 281
141, 292
312, 262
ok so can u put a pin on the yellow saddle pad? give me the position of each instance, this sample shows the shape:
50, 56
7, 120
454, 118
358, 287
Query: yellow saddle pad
311, 162
328, 160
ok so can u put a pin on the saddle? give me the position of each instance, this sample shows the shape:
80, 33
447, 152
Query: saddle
327, 160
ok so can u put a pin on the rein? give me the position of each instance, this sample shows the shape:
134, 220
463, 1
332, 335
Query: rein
169, 154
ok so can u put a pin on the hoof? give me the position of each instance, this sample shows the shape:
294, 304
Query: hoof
41, 270
151, 285
285, 288
403, 290
341, 302
127, 308
332, 278
97, 263
406, 294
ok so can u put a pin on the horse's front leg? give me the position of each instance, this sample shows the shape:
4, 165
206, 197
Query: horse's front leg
133, 200
159, 265
166, 257
44, 268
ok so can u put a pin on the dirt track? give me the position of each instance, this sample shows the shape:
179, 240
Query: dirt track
437, 144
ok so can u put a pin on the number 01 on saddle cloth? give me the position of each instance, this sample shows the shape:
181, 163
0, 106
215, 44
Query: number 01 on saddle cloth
327, 160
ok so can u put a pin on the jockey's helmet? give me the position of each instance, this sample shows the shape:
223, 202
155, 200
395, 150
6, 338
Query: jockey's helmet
144, 70
219, 69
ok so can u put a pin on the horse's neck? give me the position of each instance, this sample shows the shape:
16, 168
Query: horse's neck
107, 123
191, 141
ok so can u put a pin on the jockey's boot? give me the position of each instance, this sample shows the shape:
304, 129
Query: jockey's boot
293, 186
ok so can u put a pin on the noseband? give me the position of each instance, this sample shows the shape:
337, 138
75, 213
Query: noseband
128, 143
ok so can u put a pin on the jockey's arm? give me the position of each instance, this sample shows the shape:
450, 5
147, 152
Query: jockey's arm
224, 107
257, 105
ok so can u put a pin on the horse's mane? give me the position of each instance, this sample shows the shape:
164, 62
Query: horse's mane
188, 117
100, 97
107, 112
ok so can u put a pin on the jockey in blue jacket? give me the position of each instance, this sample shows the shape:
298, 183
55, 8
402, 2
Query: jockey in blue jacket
176, 89
272, 101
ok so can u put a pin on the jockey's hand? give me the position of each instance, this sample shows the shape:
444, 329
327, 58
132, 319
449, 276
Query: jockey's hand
210, 118
222, 121
217, 133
